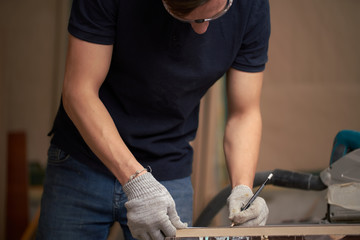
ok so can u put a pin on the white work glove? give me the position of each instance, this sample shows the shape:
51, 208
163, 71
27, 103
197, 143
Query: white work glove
150, 208
255, 215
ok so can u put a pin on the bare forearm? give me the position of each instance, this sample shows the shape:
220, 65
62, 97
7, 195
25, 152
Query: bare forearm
86, 68
241, 145
99, 131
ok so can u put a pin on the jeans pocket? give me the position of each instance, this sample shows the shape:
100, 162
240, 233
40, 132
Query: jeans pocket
57, 156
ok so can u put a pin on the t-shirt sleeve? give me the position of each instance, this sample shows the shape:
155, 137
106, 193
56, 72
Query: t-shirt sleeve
93, 20
252, 55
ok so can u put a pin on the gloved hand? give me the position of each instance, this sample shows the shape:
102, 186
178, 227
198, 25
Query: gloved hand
255, 215
150, 209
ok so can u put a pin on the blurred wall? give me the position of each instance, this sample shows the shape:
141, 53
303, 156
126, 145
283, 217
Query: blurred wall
312, 82
32, 51
3, 140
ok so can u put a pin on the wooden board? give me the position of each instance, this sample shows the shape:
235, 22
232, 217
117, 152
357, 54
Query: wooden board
307, 237
291, 232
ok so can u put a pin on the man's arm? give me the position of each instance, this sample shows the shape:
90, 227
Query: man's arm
150, 207
244, 126
242, 144
86, 68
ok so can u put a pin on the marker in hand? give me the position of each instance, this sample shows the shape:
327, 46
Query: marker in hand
247, 205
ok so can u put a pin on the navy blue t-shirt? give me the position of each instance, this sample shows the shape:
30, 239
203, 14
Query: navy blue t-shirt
159, 71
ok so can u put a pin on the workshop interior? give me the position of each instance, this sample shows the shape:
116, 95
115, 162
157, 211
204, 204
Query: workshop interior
310, 107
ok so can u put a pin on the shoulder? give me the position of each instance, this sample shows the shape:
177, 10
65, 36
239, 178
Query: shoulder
95, 8
253, 12
249, 11
253, 18
94, 20
251, 8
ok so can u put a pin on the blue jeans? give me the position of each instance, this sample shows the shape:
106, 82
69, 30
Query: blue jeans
82, 200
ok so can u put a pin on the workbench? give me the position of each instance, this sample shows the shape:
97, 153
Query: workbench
290, 232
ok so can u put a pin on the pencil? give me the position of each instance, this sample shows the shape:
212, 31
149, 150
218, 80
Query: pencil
247, 205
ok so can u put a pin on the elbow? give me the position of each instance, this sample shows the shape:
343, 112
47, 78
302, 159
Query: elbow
76, 99
71, 100
239, 114
66, 98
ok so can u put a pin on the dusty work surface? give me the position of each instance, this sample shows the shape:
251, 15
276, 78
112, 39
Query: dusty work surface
323, 237
323, 232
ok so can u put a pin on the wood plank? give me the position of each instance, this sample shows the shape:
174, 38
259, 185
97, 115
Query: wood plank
341, 231
307, 237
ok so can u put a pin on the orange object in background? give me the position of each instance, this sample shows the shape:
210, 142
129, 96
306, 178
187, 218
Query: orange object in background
17, 208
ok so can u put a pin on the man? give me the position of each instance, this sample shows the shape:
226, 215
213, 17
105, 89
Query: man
135, 74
